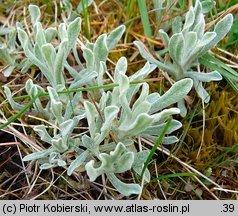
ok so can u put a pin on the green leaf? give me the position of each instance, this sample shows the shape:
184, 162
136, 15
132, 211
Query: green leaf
49, 55
151, 59
221, 29
35, 13
165, 37
157, 129
137, 166
86, 77
89, 143
77, 162
59, 63
189, 19
37, 53
121, 67
115, 36
89, 58
82, 4
8, 71
40, 35
55, 158
59, 145
144, 107
189, 46
182, 107
50, 34
205, 77
199, 28
41, 130
177, 92
176, 26
201, 91
101, 72
62, 32
53, 94
207, 38
176, 47
123, 88
5, 55
57, 110
23, 37
143, 72
164, 115
73, 33
38, 155
123, 84
197, 11
143, 95
25, 43
140, 158
68, 126
207, 5
14, 105
91, 114
138, 126
117, 161
170, 140
100, 50
110, 113
125, 189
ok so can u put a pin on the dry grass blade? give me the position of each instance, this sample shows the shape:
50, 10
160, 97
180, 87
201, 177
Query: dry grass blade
22, 137
9, 143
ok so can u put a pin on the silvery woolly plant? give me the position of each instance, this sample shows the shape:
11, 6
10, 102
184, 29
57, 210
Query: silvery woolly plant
115, 119
72, 14
118, 120
187, 44
7, 49
62, 109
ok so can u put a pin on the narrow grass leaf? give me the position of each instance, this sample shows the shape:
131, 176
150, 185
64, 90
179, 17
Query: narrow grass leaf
158, 141
173, 175
215, 64
15, 117
145, 18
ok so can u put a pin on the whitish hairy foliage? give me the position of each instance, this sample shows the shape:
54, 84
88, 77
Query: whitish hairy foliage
115, 118
6, 50
187, 44
124, 122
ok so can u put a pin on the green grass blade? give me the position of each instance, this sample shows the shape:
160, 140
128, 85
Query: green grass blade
158, 12
193, 114
15, 117
220, 158
232, 36
158, 141
86, 19
221, 64
228, 73
215, 64
173, 175
92, 88
130, 7
232, 84
145, 19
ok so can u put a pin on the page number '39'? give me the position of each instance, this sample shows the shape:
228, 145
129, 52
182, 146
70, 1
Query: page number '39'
228, 208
